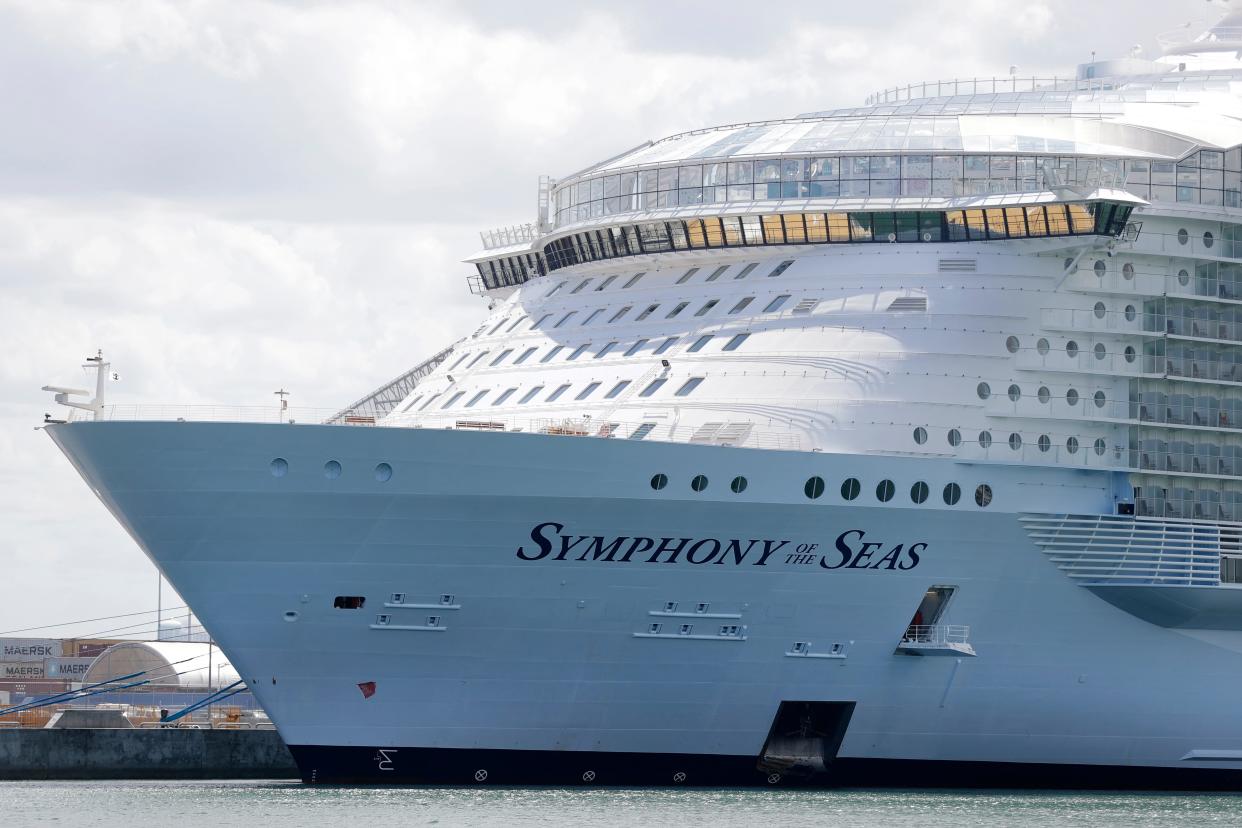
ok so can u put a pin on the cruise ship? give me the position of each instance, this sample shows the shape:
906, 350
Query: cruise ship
895, 445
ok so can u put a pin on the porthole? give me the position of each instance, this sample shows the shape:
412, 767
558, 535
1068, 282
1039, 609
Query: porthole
1131, 313
983, 495
1012, 344
1045, 442
850, 488
1100, 446
1127, 271
985, 439
738, 485
1071, 397
1100, 310
952, 494
919, 492
1071, 445
1043, 347
1208, 240
983, 390
383, 472
1100, 350
699, 483
955, 437
920, 435
1015, 441
1015, 393
280, 467
332, 470
1183, 237
1100, 399
814, 488
885, 490
1131, 354
1071, 349
1100, 268
1183, 277
1044, 394
659, 481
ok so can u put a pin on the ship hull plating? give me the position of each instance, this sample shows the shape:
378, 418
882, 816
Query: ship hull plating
536, 610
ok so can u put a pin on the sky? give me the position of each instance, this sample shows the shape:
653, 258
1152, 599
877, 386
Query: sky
235, 196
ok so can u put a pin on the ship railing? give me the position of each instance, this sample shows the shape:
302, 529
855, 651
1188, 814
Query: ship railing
1219, 37
508, 236
724, 433
936, 634
1007, 84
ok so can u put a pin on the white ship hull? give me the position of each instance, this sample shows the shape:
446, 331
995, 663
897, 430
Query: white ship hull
515, 656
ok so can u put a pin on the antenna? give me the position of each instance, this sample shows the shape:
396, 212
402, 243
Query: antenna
284, 403
102, 374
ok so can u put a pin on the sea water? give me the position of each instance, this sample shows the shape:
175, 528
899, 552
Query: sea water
127, 804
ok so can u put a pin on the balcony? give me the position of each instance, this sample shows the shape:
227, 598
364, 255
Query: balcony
936, 640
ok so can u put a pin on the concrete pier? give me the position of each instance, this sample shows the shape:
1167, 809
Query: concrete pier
121, 753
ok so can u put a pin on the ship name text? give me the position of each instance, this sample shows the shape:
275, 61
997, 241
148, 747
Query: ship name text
850, 550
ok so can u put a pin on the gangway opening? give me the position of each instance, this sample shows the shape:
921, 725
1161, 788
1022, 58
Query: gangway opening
804, 738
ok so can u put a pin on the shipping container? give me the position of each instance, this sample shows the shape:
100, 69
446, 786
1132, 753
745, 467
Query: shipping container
30, 649
21, 671
71, 669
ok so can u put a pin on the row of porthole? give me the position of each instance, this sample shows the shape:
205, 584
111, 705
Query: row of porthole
1015, 441
331, 469
850, 489
1012, 344
886, 489
984, 390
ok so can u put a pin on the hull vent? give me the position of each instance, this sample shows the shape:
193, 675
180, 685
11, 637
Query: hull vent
806, 306
958, 265
909, 303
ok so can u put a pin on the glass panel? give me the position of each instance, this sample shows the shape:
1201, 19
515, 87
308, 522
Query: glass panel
751, 230
838, 227
695, 233
860, 226
773, 230
975, 223
732, 231
816, 227
795, 231
1058, 224
1015, 217
1081, 218
996, 223
1036, 221
715, 236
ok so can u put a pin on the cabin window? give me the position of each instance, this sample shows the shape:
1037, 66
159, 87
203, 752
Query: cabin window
604, 350
565, 319
919, 492
952, 494
688, 388
502, 357
703, 311
617, 389
477, 358
736, 342
475, 399
884, 491
776, 303
636, 347
698, 484
850, 488
814, 488
349, 601
504, 395
553, 291
579, 351
594, 314
620, 313
650, 310
653, 387
530, 395
588, 391
681, 306
717, 273
741, 305
659, 481
498, 324
738, 485
983, 495
556, 349
453, 399
665, 345
699, 343
524, 356
606, 283
634, 280
556, 395
746, 271
780, 268
539, 321
688, 276
642, 431
519, 321
459, 361
581, 285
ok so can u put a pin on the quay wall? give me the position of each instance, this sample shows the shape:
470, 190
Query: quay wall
124, 753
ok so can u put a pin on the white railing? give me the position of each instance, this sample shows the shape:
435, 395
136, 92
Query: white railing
936, 634
986, 86
509, 236
732, 433
1110, 549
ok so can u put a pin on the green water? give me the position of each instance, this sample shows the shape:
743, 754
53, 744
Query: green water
286, 804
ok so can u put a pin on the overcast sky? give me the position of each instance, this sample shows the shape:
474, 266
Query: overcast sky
232, 197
